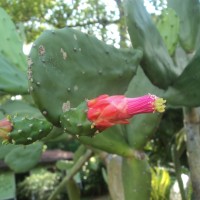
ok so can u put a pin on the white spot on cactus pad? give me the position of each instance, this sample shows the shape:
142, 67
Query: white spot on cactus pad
41, 50
64, 54
75, 37
30, 62
75, 88
66, 106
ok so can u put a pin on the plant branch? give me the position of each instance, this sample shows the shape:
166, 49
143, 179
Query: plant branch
102, 21
77, 166
191, 123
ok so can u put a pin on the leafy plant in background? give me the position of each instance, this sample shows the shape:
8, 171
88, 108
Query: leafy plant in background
65, 63
160, 184
38, 185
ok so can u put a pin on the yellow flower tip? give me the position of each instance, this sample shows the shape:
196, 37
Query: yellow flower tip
159, 105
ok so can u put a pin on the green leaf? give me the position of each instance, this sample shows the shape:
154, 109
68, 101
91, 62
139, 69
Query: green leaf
185, 90
23, 158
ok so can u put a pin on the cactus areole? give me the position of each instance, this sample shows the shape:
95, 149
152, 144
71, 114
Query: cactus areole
98, 114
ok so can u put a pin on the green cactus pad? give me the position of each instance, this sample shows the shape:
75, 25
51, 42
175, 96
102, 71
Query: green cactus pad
14, 107
27, 130
136, 177
156, 62
75, 121
111, 140
12, 80
168, 26
189, 15
67, 66
11, 45
185, 91
23, 158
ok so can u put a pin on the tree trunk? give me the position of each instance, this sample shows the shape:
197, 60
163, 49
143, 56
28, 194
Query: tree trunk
191, 123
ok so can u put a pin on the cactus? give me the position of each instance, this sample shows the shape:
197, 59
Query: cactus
69, 69
27, 157
157, 63
24, 130
111, 141
184, 92
189, 14
168, 26
63, 64
13, 65
11, 45
136, 178
12, 80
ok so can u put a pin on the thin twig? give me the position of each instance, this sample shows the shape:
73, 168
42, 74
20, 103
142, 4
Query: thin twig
77, 166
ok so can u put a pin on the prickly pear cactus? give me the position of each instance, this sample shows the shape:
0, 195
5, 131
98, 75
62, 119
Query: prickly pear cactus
11, 45
75, 121
156, 62
185, 92
168, 26
27, 130
67, 66
136, 178
23, 158
13, 79
188, 13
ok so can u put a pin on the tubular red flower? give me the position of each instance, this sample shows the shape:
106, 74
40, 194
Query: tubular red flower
105, 111
5, 128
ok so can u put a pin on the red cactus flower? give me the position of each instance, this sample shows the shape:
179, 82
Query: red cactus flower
5, 128
106, 111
